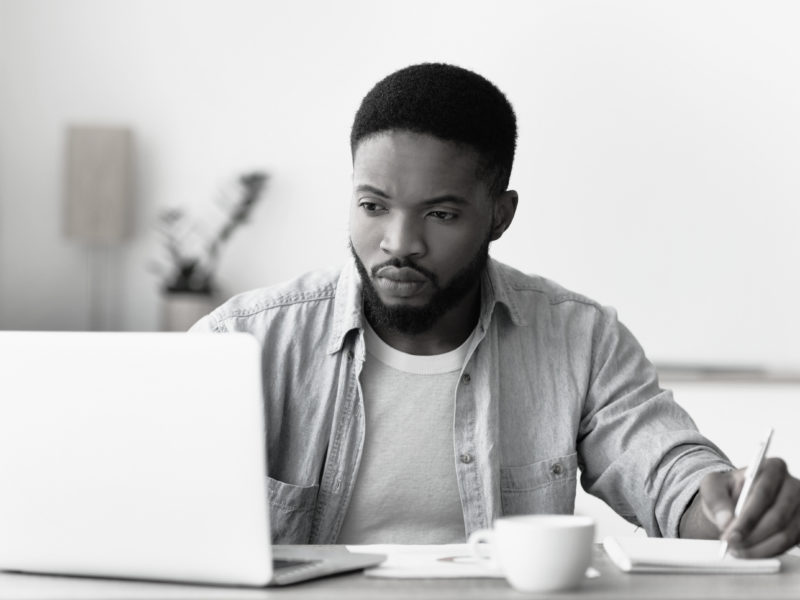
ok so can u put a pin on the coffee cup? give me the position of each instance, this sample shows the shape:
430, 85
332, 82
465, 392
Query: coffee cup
538, 553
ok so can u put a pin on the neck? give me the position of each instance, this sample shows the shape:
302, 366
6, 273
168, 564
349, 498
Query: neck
448, 333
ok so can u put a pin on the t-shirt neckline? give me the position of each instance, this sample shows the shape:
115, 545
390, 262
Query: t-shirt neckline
433, 364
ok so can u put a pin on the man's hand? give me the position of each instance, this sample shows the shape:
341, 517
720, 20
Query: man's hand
769, 523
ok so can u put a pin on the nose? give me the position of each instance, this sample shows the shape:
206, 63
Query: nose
403, 238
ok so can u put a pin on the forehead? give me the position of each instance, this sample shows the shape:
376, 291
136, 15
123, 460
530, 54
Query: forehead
416, 162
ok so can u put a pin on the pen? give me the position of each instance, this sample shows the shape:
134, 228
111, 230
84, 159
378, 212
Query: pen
749, 476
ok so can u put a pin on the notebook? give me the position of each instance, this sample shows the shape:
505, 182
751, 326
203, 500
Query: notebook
141, 456
638, 554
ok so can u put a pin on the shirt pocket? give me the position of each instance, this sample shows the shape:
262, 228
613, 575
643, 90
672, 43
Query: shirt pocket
291, 511
544, 487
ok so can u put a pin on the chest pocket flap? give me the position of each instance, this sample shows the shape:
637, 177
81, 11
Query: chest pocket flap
546, 486
291, 511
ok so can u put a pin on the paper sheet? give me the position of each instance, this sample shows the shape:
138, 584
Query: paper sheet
443, 561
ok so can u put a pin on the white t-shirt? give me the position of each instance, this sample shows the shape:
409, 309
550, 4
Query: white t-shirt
406, 491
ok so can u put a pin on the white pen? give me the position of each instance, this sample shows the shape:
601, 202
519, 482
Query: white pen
749, 476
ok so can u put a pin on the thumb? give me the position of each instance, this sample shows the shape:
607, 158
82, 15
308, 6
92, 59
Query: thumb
717, 497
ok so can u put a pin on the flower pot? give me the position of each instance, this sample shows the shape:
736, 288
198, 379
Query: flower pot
181, 310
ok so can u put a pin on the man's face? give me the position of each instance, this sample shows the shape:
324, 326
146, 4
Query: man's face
420, 226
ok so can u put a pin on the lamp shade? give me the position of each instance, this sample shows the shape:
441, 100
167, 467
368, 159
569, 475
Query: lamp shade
97, 194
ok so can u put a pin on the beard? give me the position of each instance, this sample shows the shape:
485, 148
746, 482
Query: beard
419, 319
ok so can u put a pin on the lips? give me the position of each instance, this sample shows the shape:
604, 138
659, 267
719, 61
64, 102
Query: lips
403, 274
400, 282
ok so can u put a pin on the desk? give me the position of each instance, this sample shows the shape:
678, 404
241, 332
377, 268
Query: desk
611, 585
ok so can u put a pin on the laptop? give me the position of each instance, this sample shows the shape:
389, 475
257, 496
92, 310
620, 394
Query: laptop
142, 456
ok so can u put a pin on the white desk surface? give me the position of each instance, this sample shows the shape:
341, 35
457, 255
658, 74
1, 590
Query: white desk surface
611, 585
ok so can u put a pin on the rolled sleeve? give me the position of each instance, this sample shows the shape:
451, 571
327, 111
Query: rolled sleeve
641, 452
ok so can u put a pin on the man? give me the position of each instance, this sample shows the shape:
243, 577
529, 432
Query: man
426, 389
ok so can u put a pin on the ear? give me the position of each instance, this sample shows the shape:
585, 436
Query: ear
505, 206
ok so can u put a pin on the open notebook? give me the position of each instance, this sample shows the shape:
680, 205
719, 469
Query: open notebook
636, 554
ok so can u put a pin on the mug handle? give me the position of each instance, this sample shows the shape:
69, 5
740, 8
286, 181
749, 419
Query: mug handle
477, 542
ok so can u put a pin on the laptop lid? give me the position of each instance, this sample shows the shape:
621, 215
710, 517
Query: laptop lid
134, 455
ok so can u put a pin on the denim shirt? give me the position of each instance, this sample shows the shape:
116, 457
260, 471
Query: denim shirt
553, 385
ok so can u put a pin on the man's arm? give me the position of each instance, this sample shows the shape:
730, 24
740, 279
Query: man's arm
769, 523
642, 454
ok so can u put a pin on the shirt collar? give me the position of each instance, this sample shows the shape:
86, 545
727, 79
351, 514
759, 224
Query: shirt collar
348, 314
497, 289
347, 306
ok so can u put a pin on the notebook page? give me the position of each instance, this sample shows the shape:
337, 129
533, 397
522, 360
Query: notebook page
663, 555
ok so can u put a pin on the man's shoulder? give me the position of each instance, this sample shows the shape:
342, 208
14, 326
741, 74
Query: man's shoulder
313, 287
548, 307
529, 288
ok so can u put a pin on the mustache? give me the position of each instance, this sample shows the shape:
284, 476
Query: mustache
404, 263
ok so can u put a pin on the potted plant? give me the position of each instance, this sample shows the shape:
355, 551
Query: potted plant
192, 247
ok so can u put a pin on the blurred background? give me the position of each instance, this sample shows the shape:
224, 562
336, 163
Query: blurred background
657, 165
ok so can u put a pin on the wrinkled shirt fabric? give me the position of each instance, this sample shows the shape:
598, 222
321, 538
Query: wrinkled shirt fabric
553, 385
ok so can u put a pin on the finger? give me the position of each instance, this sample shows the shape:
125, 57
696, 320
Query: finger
776, 544
718, 492
780, 516
766, 487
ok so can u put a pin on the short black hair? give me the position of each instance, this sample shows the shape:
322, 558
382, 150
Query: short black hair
448, 102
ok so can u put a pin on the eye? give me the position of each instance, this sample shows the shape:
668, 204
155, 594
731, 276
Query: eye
442, 215
371, 208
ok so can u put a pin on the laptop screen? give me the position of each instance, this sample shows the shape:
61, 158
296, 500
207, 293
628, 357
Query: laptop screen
136, 455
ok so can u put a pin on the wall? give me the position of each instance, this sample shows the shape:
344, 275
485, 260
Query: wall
657, 161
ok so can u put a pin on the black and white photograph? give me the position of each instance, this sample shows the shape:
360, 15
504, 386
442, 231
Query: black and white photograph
441, 299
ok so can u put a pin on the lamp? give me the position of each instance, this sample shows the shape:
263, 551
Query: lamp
98, 207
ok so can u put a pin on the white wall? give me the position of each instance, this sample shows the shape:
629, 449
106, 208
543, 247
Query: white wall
657, 161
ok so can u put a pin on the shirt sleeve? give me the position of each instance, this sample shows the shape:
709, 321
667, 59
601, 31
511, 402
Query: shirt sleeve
202, 326
640, 451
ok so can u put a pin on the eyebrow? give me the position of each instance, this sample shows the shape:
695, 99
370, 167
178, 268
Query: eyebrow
372, 190
446, 198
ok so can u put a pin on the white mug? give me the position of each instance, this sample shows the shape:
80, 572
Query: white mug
538, 553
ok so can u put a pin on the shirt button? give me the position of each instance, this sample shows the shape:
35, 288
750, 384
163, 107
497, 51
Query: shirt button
556, 469
466, 378
466, 458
